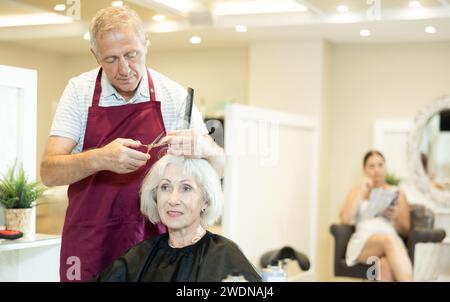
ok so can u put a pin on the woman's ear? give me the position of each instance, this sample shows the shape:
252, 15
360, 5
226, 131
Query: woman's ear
204, 206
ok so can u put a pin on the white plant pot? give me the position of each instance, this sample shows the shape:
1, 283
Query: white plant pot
2, 217
23, 220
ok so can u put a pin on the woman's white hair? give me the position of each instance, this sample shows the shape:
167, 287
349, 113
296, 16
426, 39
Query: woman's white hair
205, 177
113, 18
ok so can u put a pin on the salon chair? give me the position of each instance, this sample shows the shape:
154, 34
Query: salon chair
422, 221
286, 252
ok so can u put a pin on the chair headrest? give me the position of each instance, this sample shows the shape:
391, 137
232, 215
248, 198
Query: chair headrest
286, 252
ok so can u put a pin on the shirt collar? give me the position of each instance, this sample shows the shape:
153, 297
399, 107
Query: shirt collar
108, 90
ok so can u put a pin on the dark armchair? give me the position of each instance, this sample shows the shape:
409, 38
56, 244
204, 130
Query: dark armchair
422, 230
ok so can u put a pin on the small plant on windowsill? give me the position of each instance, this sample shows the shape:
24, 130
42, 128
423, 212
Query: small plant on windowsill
18, 196
392, 179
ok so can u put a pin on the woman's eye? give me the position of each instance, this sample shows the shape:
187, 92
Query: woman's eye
164, 187
187, 188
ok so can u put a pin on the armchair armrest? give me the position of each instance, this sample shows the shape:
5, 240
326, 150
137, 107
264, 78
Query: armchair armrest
341, 234
423, 235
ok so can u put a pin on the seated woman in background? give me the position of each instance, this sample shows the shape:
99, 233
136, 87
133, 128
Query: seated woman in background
377, 235
184, 194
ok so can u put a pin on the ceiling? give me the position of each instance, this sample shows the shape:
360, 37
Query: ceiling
215, 21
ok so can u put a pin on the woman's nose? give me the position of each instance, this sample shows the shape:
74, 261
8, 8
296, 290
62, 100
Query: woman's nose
174, 198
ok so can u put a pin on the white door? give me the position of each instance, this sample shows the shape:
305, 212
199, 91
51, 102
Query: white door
18, 112
271, 183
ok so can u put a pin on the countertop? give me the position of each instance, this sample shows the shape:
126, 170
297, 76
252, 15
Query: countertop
24, 243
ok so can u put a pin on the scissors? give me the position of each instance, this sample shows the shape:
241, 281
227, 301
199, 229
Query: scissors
155, 143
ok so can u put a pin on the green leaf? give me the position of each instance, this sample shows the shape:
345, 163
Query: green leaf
16, 192
392, 179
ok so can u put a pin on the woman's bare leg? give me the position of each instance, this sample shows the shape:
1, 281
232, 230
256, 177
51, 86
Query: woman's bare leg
385, 270
373, 247
398, 259
391, 248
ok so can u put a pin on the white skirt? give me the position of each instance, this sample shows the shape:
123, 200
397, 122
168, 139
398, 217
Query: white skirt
364, 230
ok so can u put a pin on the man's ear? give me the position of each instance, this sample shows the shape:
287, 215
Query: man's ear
95, 55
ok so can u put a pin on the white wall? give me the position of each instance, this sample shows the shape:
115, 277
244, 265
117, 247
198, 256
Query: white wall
325, 254
217, 75
287, 75
50, 84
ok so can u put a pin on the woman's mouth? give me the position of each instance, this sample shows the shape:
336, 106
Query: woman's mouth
174, 214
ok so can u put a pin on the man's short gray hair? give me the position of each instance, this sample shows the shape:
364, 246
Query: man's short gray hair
113, 18
205, 177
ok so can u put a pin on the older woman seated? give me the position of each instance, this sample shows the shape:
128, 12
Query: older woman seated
184, 194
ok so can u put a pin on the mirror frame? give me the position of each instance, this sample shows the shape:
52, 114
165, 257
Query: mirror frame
418, 174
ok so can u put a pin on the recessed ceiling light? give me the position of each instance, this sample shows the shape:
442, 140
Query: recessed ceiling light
158, 18
430, 30
87, 36
342, 8
117, 3
414, 4
195, 40
166, 27
60, 7
241, 28
364, 33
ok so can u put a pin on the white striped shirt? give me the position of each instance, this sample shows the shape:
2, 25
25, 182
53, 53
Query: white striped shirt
71, 115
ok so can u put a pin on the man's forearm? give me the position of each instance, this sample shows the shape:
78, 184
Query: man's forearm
57, 170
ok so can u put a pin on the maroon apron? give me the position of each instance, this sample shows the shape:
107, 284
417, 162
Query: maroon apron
103, 218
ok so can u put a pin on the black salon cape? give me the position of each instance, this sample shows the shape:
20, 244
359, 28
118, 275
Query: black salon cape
211, 259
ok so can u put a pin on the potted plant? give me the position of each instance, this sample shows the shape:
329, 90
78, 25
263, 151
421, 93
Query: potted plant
392, 179
18, 196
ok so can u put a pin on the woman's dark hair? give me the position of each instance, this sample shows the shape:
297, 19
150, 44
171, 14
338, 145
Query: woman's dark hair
370, 154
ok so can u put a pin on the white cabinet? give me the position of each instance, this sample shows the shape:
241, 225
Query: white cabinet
30, 260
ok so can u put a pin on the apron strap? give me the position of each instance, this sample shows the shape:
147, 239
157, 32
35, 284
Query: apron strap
98, 88
151, 88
